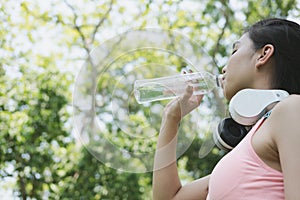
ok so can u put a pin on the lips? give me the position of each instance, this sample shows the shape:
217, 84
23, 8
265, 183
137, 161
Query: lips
222, 80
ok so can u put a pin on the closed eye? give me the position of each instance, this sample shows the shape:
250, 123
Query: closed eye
233, 52
234, 47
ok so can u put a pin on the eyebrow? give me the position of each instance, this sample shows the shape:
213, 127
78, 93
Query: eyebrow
235, 43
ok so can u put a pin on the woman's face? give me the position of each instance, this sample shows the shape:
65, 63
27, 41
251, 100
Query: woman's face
240, 70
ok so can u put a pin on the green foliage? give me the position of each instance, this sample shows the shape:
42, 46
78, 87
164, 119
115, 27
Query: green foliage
32, 129
266, 8
92, 180
199, 167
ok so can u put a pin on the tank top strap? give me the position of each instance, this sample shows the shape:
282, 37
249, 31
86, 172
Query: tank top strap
267, 114
259, 123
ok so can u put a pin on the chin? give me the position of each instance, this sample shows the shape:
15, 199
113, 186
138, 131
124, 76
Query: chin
226, 94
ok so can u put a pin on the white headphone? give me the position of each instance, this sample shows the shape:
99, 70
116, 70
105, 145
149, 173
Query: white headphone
245, 108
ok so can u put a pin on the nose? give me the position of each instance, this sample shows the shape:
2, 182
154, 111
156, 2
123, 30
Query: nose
224, 69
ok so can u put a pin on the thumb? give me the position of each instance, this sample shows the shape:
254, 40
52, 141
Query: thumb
188, 93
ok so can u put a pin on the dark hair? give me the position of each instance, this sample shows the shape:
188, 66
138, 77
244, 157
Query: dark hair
284, 35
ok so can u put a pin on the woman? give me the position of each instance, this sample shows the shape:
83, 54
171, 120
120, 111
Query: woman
265, 165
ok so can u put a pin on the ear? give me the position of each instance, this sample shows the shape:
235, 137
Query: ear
264, 55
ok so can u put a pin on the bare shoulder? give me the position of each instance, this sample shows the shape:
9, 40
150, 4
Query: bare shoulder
285, 133
287, 107
285, 117
293, 99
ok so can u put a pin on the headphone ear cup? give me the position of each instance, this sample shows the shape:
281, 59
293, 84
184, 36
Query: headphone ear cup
229, 133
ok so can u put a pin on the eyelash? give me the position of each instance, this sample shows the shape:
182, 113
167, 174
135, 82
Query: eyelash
233, 52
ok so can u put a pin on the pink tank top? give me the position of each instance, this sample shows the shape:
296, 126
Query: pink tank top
242, 175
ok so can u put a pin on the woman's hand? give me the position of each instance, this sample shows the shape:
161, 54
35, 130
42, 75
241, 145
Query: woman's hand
181, 106
166, 182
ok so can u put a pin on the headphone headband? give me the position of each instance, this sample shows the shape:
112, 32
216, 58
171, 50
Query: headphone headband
246, 108
249, 105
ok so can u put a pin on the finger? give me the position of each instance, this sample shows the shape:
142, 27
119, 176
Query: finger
183, 71
188, 92
189, 69
199, 99
196, 100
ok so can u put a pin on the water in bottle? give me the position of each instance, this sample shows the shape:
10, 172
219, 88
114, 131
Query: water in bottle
156, 89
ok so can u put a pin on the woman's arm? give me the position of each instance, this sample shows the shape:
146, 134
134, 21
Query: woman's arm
166, 183
286, 132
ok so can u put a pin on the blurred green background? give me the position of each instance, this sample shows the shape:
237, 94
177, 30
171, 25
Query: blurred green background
43, 45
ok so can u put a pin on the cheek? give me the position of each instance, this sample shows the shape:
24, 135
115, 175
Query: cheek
230, 88
236, 79
239, 73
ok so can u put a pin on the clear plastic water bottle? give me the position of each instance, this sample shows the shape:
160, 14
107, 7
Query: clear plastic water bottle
156, 89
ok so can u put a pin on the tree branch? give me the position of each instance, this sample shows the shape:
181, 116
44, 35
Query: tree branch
22, 186
217, 46
78, 28
101, 20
